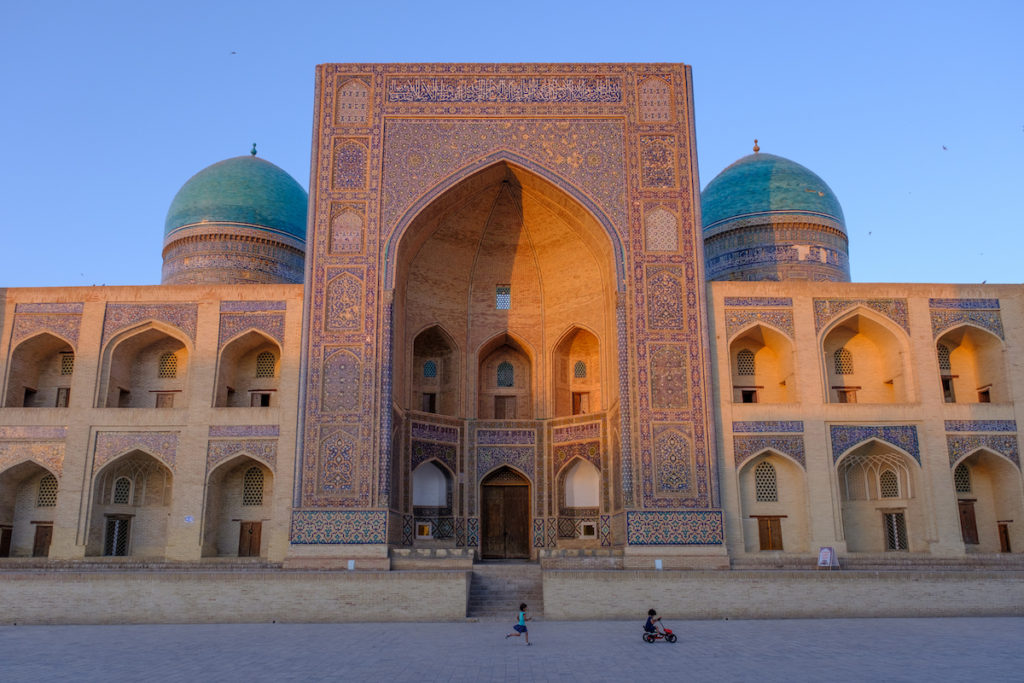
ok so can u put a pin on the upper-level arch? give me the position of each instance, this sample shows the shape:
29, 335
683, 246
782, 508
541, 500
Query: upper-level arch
865, 359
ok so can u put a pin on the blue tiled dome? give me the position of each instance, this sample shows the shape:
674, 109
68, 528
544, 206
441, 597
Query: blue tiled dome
762, 184
246, 191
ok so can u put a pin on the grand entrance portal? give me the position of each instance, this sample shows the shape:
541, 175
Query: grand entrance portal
506, 516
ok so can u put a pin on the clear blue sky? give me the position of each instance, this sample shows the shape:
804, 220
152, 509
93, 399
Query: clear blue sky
912, 112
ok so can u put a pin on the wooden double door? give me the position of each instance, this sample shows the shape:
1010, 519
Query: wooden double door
506, 519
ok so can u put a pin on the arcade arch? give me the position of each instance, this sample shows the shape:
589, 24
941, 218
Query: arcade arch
41, 368
773, 503
131, 495
248, 372
146, 367
239, 498
971, 366
28, 498
761, 361
989, 499
865, 362
881, 510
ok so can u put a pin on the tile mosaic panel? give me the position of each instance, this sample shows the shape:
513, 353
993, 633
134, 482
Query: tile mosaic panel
350, 164
673, 458
654, 99
473, 532
981, 425
576, 432
34, 321
47, 454
220, 450
34, 433
948, 313
460, 532
407, 529
243, 431
604, 530
347, 232
122, 316
552, 532
252, 306
657, 161
70, 308
664, 297
669, 377
233, 324
435, 432
337, 451
827, 310
538, 532
428, 450
506, 436
504, 89
589, 451
960, 446
965, 304
334, 527
738, 319
662, 230
341, 371
110, 445
490, 457
674, 527
845, 437
746, 447
751, 301
760, 426
344, 300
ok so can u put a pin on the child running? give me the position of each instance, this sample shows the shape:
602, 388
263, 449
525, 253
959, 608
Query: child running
520, 627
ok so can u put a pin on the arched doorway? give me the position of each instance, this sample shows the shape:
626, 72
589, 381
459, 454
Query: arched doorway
505, 495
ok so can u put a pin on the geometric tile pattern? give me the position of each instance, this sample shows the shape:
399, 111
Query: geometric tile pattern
47, 454
983, 313
981, 425
749, 301
739, 318
845, 437
219, 450
674, 527
63, 319
423, 451
243, 431
589, 451
746, 447
490, 457
826, 310
758, 427
604, 530
473, 532
161, 445
538, 532
232, 324
120, 316
424, 430
577, 432
506, 436
962, 445
335, 527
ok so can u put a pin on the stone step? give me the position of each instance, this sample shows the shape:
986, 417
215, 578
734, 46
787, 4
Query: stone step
496, 589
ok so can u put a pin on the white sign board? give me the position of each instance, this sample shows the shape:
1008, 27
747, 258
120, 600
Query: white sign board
827, 557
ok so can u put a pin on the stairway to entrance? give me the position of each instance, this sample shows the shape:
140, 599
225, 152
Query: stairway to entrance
497, 588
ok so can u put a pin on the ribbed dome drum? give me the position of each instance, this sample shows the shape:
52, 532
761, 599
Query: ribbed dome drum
241, 220
768, 218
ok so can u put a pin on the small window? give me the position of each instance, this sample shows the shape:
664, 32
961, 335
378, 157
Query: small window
122, 494
168, 366
30, 398
745, 362
962, 479
124, 398
266, 364
259, 399
47, 495
63, 396
947, 390
423, 530
503, 297
765, 485
579, 370
843, 362
430, 369
165, 400
846, 395
984, 395
748, 395
895, 531
888, 484
943, 352
252, 487
506, 374
580, 402
429, 403
67, 364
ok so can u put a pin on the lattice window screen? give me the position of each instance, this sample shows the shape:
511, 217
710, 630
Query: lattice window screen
122, 491
579, 370
67, 363
895, 531
943, 352
765, 484
745, 362
265, 364
47, 496
503, 297
506, 374
168, 366
889, 484
843, 362
430, 369
252, 487
962, 479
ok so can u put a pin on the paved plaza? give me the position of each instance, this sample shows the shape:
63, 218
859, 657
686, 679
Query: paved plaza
975, 649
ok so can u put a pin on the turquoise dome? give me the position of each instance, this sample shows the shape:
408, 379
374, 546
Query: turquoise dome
762, 184
243, 190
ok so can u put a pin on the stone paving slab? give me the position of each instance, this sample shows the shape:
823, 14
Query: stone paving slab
965, 649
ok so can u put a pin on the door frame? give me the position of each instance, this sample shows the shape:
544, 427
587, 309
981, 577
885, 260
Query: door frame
520, 480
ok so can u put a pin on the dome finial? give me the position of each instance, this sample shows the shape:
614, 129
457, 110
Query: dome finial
756, 148
253, 150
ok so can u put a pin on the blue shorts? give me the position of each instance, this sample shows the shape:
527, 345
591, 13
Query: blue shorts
519, 628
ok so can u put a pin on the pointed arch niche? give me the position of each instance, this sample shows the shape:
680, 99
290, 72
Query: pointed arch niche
248, 372
28, 498
131, 499
239, 495
576, 371
865, 362
40, 375
881, 508
761, 361
434, 379
773, 504
988, 492
502, 253
146, 367
971, 366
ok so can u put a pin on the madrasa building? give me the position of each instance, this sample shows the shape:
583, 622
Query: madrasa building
506, 324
